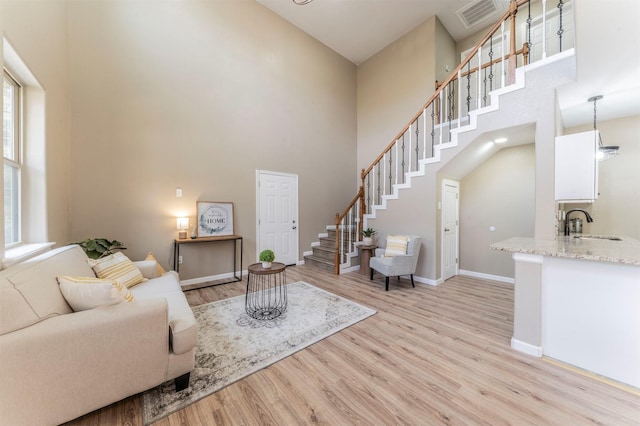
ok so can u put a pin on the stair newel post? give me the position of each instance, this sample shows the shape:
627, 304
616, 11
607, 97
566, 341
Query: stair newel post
511, 62
525, 53
336, 260
361, 211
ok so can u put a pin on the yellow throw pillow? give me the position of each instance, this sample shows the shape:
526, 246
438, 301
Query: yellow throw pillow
117, 266
82, 293
161, 270
396, 245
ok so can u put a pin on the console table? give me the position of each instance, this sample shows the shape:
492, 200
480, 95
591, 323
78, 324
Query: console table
237, 272
266, 297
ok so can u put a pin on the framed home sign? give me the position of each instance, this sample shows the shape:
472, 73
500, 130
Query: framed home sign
214, 218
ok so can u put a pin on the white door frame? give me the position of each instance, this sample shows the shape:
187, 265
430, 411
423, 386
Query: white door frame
295, 249
456, 184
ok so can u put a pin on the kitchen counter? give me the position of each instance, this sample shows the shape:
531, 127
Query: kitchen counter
591, 247
576, 300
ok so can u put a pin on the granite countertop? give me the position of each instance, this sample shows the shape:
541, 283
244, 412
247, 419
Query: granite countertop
598, 248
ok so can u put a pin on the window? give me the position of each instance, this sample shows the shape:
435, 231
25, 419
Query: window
11, 137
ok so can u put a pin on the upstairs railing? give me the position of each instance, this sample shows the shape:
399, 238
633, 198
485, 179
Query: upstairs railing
529, 31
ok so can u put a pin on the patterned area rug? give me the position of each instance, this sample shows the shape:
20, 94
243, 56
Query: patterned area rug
232, 345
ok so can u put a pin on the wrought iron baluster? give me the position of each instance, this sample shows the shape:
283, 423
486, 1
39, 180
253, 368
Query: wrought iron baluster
484, 88
491, 64
379, 197
468, 87
451, 112
390, 171
529, 28
403, 163
417, 144
560, 30
368, 206
433, 127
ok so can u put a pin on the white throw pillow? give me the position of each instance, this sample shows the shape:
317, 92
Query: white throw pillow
82, 293
396, 245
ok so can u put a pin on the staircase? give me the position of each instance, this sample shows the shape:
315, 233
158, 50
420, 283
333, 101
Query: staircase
324, 251
455, 110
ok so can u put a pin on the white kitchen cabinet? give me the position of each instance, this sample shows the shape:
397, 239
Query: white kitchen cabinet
576, 169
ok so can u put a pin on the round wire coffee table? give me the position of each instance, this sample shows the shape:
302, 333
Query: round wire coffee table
266, 297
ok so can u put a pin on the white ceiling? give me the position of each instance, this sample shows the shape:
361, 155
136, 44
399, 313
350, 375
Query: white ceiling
608, 43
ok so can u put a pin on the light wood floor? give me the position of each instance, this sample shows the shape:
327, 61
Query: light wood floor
430, 356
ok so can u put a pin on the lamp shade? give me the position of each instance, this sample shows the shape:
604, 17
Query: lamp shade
182, 223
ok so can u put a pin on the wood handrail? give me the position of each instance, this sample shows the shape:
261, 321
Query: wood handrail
513, 8
340, 216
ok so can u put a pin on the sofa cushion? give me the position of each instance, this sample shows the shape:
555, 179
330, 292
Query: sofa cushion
29, 291
148, 268
84, 293
167, 283
117, 266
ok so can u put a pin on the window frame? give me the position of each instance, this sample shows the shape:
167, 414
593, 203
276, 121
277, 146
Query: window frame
15, 161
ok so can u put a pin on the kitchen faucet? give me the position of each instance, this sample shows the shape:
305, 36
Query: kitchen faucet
567, 227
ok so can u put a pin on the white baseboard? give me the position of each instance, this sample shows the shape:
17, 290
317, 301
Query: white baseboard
526, 348
350, 269
487, 276
200, 280
307, 253
425, 280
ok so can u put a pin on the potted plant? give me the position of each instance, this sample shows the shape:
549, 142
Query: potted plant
368, 234
266, 257
96, 248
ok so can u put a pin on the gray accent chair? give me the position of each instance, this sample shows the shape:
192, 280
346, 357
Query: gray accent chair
397, 266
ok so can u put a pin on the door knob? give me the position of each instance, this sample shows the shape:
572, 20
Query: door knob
295, 227
446, 229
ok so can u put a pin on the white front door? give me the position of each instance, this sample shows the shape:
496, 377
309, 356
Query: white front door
450, 209
277, 215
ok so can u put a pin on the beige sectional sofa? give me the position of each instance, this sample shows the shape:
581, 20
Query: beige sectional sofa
56, 364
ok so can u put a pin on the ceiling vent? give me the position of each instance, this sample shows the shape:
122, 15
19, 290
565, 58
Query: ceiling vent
476, 12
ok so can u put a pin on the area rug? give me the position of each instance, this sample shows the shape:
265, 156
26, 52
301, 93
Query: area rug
232, 345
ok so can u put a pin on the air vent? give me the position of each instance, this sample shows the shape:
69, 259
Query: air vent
476, 12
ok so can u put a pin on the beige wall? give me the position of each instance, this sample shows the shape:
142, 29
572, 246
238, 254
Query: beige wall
499, 193
617, 209
392, 86
199, 95
45, 51
446, 58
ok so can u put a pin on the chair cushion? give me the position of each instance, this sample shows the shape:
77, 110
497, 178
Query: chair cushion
396, 245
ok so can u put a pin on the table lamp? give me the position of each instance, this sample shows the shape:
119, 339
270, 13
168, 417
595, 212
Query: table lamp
182, 224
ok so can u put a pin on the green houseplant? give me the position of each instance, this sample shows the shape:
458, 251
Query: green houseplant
96, 248
266, 257
368, 234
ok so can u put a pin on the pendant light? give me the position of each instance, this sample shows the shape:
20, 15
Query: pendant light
604, 151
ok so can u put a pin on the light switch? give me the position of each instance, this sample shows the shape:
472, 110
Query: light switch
178, 192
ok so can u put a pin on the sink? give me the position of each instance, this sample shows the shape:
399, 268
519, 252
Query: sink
598, 237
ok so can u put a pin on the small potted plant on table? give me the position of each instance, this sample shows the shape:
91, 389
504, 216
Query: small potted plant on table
266, 257
368, 234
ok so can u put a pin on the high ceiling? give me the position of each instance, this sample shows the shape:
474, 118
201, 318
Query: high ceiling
607, 46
